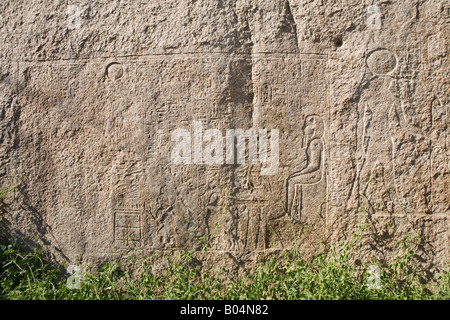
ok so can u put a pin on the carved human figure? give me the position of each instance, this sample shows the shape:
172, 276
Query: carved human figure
393, 159
312, 173
412, 145
375, 191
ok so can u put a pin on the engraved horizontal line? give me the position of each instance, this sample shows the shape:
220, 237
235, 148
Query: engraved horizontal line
130, 211
175, 250
409, 215
194, 53
125, 242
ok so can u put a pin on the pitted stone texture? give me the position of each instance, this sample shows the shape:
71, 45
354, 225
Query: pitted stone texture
92, 92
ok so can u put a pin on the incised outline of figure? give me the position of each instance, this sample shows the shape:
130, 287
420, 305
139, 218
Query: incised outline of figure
374, 172
312, 173
392, 153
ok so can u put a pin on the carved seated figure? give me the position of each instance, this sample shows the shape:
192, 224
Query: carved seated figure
312, 173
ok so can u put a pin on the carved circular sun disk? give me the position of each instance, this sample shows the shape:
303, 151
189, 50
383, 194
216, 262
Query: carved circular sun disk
114, 71
382, 61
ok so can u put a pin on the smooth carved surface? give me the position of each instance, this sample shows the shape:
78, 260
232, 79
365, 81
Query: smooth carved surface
90, 98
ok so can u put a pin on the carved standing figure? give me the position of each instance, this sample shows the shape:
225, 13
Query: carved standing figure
312, 173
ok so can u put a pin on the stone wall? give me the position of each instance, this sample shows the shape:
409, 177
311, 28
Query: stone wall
118, 119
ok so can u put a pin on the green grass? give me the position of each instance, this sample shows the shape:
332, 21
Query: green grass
289, 276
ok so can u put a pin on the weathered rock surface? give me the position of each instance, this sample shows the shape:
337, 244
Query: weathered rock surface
91, 93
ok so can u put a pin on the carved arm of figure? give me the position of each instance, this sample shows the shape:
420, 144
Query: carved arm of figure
314, 158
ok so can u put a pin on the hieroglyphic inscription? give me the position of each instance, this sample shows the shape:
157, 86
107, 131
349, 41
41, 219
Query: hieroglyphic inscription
127, 225
146, 98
